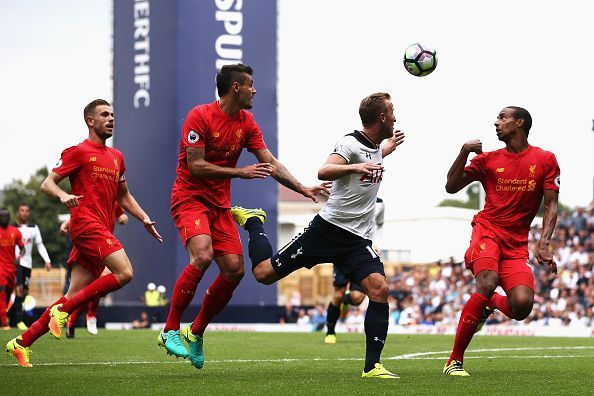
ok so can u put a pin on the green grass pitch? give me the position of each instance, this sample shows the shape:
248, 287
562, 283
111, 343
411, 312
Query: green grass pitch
129, 362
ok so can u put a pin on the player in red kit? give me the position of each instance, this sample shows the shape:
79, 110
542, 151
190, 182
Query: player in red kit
213, 136
10, 237
515, 179
93, 305
96, 174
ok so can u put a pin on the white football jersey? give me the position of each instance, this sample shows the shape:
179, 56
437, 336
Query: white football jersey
351, 204
32, 235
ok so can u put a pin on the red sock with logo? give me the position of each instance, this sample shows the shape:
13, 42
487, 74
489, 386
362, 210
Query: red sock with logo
92, 308
97, 289
183, 293
40, 327
216, 298
502, 304
3, 316
469, 318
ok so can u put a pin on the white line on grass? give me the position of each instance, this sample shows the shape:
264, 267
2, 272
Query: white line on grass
410, 356
420, 354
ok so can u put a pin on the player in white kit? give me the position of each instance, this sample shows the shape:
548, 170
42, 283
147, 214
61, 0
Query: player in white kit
340, 233
31, 236
342, 299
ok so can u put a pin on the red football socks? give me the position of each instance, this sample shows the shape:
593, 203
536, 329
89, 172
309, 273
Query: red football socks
92, 308
183, 293
97, 289
469, 319
73, 317
40, 327
502, 304
3, 317
216, 298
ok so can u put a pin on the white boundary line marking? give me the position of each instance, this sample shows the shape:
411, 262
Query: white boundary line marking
416, 355
411, 356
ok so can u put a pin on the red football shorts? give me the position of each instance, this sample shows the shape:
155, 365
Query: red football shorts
91, 247
8, 275
488, 252
193, 218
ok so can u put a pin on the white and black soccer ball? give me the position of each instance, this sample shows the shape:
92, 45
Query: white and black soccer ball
420, 60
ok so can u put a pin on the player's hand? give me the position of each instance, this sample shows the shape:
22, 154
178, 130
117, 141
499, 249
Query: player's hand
314, 192
64, 227
473, 146
150, 227
48, 266
261, 170
367, 168
391, 143
70, 201
123, 219
543, 255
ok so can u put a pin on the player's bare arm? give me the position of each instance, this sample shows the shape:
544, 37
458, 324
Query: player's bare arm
543, 254
129, 204
282, 175
457, 178
50, 188
391, 143
199, 167
336, 167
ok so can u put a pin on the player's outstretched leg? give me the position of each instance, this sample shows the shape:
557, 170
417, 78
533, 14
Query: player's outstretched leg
259, 247
194, 341
96, 289
172, 342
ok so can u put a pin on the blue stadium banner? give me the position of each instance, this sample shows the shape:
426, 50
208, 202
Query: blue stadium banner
166, 56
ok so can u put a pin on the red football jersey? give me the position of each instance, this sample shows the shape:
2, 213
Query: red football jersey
223, 137
9, 238
514, 186
94, 171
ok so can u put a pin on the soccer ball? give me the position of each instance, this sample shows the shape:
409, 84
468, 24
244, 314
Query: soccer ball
420, 60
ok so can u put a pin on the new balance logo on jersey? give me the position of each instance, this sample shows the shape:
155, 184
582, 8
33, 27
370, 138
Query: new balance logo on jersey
499, 170
92, 159
368, 155
299, 251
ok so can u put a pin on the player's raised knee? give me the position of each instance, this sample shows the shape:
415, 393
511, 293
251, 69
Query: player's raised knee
522, 307
124, 276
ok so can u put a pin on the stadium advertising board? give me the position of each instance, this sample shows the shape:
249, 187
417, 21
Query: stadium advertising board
166, 55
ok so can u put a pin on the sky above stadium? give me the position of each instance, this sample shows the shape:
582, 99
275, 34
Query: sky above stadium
55, 57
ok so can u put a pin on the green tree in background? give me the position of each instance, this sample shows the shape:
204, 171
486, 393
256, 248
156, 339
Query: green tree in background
44, 213
472, 201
